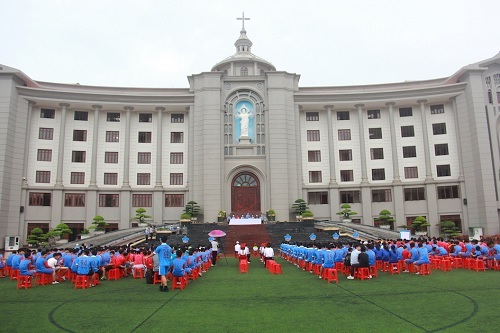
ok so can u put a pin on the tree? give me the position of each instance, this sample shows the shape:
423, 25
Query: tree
36, 237
59, 231
98, 223
192, 209
448, 228
420, 224
385, 217
346, 211
140, 215
299, 206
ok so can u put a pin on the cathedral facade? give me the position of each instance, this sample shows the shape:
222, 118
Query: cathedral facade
246, 138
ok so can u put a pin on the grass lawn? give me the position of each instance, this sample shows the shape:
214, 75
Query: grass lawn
225, 301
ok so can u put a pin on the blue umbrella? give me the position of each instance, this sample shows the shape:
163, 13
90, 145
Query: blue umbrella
335, 236
288, 237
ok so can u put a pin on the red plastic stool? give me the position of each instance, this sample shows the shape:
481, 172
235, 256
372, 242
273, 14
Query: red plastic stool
424, 269
24, 281
479, 265
97, 281
330, 274
457, 262
316, 269
2, 272
156, 278
362, 273
179, 282
43, 278
244, 266
394, 268
138, 273
446, 265
114, 274
82, 281
14, 274
339, 266
374, 271
380, 265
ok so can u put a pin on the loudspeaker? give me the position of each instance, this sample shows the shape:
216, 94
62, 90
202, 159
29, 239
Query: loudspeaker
21, 209
465, 201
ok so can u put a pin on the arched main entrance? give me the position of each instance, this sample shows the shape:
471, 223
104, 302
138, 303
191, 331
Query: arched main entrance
245, 194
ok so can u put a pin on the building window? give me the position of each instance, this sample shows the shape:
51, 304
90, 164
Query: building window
39, 199
243, 71
144, 158
315, 177
346, 176
177, 137
443, 170
144, 137
81, 115
344, 134
45, 133
382, 195
373, 114
313, 135
407, 131
409, 151
343, 115
78, 156
44, 155
345, 155
112, 136
111, 157
438, 129
176, 158
448, 192
439, 108
77, 178
441, 149
176, 179
411, 172
312, 116
142, 200
414, 193
145, 117
143, 178
113, 117
453, 218
375, 133
314, 156
42, 177
405, 112
317, 198
350, 197
110, 178
79, 135
177, 118
174, 200
74, 200
377, 153
47, 113
378, 174
109, 200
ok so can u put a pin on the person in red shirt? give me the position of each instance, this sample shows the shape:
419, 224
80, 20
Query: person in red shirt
111, 265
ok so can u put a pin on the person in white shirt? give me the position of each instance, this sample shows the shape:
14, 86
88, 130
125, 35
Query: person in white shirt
58, 271
354, 260
237, 248
268, 253
215, 251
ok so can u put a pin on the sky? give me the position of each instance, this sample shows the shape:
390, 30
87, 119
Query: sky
158, 43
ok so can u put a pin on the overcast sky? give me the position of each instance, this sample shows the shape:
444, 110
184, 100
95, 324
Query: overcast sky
158, 43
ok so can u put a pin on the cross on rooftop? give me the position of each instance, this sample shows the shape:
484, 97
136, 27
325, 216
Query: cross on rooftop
243, 19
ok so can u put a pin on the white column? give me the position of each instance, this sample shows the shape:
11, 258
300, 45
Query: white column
60, 153
361, 120
331, 150
159, 147
95, 143
394, 145
425, 134
126, 156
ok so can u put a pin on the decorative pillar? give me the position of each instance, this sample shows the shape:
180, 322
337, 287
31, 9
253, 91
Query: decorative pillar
159, 147
95, 143
394, 144
331, 150
60, 153
425, 134
126, 156
27, 144
361, 121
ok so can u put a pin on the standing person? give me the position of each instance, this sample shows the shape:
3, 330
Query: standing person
215, 251
237, 248
146, 233
164, 252
354, 260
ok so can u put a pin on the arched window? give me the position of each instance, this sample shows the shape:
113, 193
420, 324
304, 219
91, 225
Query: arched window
244, 71
245, 179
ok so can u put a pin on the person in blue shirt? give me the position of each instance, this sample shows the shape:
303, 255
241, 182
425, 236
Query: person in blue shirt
16, 258
423, 256
393, 255
413, 255
371, 254
328, 260
164, 252
178, 265
24, 267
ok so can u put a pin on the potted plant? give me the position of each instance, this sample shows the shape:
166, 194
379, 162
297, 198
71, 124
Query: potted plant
307, 215
59, 235
221, 217
401, 227
36, 237
420, 225
346, 213
448, 229
141, 217
85, 234
386, 220
299, 207
192, 209
99, 225
271, 215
